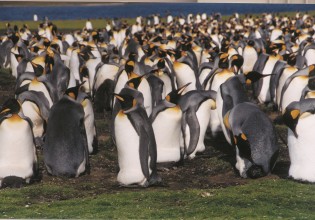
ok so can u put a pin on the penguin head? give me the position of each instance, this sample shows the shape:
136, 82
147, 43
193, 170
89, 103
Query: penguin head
161, 64
38, 64
127, 102
223, 61
251, 43
236, 62
11, 106
175, 95
254, 76
74, 91
291, 117
291, 59
135, 82
129, 66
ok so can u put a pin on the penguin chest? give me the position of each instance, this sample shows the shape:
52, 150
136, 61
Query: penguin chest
167, 130
29, 67
302, 149
203, 114
250, 58
105, 72
128, 144
17, 149
220, 78
294, 91
203, 75
89, 123
287, 72
264, 95
145, 89
185, 74
167, 88
40, 87
310, 56
32, 111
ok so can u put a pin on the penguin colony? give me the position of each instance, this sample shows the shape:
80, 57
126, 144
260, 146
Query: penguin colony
166, 84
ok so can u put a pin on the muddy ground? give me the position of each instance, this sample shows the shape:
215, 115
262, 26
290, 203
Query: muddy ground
212, 169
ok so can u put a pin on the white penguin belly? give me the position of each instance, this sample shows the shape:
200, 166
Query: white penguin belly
145, 89
302, 150
310, 56
105, 72
17, 149
203, 115
184, 74
40, 87
264, 95
127, 141
215, 125
250, 58
294, 91
167, 130
89, 123
285, 75
31, 110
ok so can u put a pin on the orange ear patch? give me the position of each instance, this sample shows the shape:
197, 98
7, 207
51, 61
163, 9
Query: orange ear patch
295, 113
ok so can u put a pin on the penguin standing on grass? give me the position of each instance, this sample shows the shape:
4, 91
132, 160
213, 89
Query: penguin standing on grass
135, 141
18, 160
66, 150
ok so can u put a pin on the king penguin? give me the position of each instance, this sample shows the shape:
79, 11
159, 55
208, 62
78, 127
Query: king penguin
135, 141
167, 116
36, 107
254, 137
299, 117
196, 106
17, 147
66, 150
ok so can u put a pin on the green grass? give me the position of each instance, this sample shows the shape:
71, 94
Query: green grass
258, 199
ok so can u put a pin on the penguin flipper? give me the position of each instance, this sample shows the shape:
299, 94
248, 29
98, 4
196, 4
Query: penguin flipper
144, 152
194, 129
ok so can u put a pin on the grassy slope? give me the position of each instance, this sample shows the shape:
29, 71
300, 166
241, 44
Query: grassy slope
259, 199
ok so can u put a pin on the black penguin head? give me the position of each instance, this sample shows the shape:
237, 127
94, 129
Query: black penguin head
291, 59
291, 118
46, 42
129, 66
38, 64
223, 61
255, 171
237, 62
84, 72
127, 102
161, 64
175, 95
254, 76
251, 43
11, 106
135, 82
74, 91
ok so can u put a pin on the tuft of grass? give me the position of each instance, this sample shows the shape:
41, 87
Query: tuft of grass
256, 200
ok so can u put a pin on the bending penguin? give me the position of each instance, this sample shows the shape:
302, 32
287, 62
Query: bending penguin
66, 150
253, 135
299, 117
135, 141
17, 147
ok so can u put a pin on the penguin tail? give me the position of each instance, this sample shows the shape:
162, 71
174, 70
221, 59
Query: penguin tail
12, 182
255, 172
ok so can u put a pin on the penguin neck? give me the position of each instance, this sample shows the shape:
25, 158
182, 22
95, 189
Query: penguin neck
132, 75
